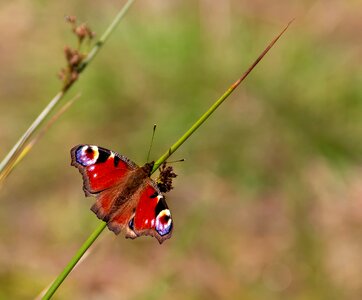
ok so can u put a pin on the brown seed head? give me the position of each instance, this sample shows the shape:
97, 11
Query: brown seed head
71, 19
81, 32
164, 181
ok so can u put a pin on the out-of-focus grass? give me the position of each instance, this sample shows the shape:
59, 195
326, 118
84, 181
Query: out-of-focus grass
268, 202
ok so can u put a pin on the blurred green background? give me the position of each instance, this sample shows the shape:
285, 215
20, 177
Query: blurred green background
268, 204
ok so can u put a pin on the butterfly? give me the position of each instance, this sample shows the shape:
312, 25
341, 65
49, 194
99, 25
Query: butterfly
128, 200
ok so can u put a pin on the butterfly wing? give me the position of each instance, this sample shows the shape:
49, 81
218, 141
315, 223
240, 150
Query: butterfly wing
148, 214
101, 168
152, 215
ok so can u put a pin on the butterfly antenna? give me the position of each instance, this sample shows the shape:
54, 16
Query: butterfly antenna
153, 135
175, 161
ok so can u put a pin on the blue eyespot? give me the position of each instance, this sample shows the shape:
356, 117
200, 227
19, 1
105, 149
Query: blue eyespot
87, 155
164, 222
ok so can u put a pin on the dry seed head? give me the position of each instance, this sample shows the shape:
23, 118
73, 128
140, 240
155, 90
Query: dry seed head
81, 32
164, 181
71, 19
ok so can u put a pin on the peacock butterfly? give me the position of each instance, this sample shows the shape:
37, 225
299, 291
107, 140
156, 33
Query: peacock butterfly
127, 198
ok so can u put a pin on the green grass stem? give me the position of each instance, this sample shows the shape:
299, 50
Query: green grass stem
81, 251
105, 35
217, 103
9, 161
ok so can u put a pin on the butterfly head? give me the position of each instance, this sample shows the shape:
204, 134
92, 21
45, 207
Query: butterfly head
147, 168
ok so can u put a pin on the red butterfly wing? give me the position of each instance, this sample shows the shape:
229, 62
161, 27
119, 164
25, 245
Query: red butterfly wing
100, 167
151, 215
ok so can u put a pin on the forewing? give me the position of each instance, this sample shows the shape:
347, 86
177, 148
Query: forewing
101, 168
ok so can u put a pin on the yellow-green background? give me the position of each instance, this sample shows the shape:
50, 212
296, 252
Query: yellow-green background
268, 204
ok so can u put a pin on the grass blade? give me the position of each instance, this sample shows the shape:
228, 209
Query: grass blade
81, 251
23, 150
217, 103
9, 161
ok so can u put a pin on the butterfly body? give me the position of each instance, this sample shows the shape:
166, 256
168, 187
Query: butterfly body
127, 198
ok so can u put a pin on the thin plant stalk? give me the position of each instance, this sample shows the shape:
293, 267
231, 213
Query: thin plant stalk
12, 157
9, 161
217, 103
105, 35
55, 285
39, 134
